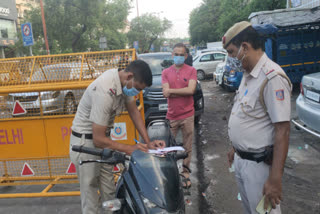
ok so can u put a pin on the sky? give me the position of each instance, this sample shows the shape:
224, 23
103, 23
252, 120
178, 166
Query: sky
177, 11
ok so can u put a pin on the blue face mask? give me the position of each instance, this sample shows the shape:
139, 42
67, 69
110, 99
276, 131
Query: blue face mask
130, 92
178, 60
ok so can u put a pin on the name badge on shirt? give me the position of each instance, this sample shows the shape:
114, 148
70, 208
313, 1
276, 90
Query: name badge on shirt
112, 92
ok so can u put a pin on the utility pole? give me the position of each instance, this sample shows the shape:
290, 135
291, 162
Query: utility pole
44, 28
137, 8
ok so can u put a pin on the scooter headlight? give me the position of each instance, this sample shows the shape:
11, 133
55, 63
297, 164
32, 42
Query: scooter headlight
148, 203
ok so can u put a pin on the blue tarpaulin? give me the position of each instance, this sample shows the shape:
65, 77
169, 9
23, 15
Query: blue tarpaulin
265, 29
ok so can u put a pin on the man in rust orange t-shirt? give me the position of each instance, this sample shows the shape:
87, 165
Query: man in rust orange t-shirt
179, 84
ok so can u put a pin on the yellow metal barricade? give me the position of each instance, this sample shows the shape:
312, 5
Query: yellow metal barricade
38, 99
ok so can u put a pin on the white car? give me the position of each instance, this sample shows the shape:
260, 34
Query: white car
308, 104
54, 102
206, 63
218, 74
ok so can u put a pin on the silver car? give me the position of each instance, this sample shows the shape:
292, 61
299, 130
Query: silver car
206, 63
308, 104
53, 102
218, 74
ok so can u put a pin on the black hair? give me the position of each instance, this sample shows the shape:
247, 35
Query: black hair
180, 45
249, 35
141, 72
187, 50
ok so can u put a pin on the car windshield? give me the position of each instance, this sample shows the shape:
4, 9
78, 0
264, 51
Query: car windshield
158, 63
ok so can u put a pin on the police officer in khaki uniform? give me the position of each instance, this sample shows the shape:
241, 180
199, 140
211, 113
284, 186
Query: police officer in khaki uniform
107, 96
259, 122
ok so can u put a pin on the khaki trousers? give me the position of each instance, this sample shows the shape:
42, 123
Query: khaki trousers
92, 177
187, 128
250, 177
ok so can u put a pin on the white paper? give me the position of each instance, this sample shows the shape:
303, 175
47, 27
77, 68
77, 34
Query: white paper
165, 150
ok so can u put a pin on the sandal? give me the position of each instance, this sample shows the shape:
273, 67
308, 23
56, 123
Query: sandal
185, 182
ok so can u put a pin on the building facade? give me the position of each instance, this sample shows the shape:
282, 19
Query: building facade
23, 6
8, 29
303, 3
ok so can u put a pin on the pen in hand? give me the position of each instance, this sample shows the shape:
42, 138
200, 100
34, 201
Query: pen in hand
136, 141
142, 145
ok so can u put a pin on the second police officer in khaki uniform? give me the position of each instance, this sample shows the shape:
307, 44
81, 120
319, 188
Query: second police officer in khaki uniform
106, 97
259, 122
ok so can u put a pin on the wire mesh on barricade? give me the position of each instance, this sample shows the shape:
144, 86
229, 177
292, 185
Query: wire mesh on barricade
38, 99
60, 69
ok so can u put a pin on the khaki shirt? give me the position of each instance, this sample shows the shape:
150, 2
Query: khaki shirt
100, 103
248, 133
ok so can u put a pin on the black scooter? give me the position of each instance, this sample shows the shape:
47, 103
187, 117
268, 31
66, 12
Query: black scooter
149, 183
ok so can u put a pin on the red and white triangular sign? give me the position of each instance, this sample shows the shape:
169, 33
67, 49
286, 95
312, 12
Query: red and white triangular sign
71, 169
116, 168
18, 109
27, 170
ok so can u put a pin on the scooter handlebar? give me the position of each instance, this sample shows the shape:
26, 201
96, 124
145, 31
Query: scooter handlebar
87, 150
181, 155
112, 157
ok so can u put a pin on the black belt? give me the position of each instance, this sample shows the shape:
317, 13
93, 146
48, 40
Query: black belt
258, 157
86, 136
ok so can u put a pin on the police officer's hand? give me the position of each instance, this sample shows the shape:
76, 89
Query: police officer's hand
156, 144
231, 157
139, 146
272, 190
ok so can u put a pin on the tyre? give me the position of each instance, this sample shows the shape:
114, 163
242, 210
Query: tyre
200, 75
69, 105
222, 83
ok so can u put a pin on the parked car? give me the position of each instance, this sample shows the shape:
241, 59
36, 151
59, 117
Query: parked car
308, 104
155, 104
218, 74
206, 63
232, 78
54, 102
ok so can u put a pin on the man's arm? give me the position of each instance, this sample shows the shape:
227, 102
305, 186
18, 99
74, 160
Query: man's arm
137, 120
100, 140
139, 124
273, 186
175, 92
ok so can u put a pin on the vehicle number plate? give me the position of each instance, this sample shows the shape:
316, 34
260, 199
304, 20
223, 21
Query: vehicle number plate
163, 107
313, 96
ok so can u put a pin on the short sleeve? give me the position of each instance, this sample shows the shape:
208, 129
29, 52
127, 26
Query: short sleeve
101, 109
164, 77
277, 97
193, 74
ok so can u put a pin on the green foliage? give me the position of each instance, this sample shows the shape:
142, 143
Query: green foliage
213, 18
76, 25
147, 29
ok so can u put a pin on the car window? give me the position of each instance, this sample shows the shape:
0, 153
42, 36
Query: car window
158, 63
206, 58
219, 56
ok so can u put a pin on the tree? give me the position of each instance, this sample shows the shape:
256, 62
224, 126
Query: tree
76, 25
147, 29
213, 18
